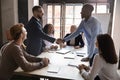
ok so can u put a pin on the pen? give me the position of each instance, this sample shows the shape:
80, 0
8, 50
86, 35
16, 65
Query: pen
80, 55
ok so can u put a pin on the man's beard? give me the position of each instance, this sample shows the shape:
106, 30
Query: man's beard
39, 17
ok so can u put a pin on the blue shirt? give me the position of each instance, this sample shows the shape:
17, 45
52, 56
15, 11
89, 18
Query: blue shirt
91, 28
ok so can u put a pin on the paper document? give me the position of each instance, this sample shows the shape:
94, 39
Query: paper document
73, 63
69, 56
53, 69
63, 51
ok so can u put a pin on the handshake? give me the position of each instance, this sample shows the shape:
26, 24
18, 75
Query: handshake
60, 42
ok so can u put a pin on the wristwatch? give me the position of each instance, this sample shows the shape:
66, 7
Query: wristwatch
42, 64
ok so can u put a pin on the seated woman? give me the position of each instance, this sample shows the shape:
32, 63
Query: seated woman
49, 29
14, 56
105, 63
76, 42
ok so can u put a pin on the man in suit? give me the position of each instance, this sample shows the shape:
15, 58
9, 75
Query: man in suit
77, 42
35, 36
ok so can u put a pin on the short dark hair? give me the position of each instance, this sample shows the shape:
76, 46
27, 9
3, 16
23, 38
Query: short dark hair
106, 48
16, 31
88, 7
35, 8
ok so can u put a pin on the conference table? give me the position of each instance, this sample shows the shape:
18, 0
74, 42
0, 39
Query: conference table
62, 66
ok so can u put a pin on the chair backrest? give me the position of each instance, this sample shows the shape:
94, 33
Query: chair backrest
119, 61
3, 48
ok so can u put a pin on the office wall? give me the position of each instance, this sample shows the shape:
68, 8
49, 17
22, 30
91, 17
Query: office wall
9, 15
116, 25
30, 6
104, 20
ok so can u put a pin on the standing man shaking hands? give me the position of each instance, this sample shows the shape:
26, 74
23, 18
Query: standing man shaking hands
35, 36
91, 27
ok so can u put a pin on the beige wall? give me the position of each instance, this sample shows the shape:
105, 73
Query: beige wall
30, 5
9, 13
116, 25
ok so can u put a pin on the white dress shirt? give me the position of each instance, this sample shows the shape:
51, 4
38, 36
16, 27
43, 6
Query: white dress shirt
104, 70
47, 43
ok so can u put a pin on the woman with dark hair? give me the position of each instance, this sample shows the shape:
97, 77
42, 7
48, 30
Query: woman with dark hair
14, 55
49, 30
105, 63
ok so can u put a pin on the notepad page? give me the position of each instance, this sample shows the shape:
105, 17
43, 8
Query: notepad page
53, 69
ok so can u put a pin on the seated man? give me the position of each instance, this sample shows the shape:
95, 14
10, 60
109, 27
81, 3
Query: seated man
76, 42
14, 55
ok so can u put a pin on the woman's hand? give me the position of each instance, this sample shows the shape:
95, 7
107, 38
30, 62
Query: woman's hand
82, 66
86, 68
52, 47
55, 47
76, 47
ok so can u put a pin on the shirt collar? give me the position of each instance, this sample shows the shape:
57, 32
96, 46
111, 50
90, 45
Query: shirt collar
90, 19
36, 18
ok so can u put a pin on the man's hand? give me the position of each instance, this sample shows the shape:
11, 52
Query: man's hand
45, 61
85, 59
59, 40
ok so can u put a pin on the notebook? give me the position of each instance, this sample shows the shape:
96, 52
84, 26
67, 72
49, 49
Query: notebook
63, 51
73, 63
80, 52
53, 69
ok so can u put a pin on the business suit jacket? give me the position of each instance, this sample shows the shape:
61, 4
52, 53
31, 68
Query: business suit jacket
78, 41
35, 37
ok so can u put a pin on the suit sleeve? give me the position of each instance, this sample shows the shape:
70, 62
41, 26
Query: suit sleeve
43, 35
